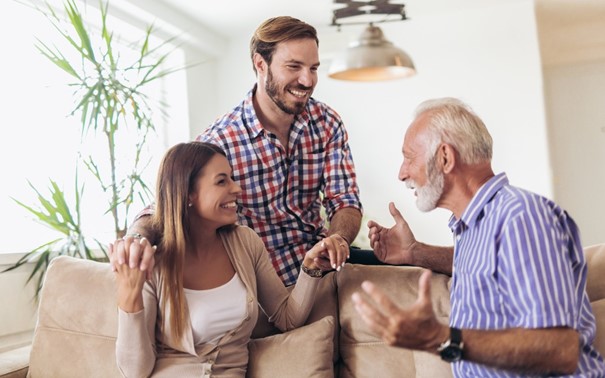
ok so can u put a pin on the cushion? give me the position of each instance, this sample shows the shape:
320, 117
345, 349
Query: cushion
361, 350
77, 321
304, 352
325, 305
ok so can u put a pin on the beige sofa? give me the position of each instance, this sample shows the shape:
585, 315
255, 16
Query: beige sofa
75, 334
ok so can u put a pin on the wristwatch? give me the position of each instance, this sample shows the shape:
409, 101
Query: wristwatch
451, 349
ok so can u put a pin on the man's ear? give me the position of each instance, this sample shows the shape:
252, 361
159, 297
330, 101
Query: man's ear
447, 156
259, 63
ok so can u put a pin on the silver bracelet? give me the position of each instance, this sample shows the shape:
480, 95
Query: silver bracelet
312, 272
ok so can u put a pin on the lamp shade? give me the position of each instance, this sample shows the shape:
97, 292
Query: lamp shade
372, 58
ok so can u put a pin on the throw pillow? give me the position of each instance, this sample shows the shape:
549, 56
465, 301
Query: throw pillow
304, 352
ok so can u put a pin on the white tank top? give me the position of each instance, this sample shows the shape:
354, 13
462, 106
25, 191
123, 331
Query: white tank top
214, 312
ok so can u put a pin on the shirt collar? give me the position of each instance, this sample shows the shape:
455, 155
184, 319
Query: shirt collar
484, 195
250, 114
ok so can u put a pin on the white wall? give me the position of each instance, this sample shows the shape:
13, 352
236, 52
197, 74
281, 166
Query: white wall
201, 92
575, 97
488, 57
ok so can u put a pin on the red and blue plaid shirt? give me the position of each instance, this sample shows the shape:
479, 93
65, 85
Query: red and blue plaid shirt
283, 191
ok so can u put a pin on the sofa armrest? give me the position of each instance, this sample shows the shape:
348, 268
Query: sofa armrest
595, 260
15, 363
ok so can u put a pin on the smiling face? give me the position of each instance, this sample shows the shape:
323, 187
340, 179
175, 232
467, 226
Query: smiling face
215, 194
418, 172
292, 75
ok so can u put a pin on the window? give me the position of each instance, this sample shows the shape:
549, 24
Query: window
41, 140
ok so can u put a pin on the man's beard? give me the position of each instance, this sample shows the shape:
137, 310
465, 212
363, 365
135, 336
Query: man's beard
273, 91
429, 194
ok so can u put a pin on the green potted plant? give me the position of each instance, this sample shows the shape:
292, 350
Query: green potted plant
110, 100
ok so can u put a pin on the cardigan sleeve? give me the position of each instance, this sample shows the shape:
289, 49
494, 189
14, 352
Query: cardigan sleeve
286, 309
135, 343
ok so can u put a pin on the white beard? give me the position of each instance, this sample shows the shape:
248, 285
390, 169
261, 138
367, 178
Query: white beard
429, 194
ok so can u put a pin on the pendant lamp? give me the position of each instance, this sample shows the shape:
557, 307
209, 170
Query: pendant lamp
371, 57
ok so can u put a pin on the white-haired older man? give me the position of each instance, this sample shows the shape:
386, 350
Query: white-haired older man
519, 305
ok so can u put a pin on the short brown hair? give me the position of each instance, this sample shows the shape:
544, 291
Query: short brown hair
276, 30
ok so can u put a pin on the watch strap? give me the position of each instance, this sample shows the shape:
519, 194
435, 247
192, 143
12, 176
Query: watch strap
455, 336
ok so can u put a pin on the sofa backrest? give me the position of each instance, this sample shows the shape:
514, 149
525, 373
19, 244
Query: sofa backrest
77, 321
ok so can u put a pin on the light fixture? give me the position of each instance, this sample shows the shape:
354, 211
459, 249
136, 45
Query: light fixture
372, 57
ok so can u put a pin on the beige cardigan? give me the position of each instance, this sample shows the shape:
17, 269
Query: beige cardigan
140, 354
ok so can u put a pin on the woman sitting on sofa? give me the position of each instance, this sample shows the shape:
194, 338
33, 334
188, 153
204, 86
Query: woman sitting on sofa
195, 314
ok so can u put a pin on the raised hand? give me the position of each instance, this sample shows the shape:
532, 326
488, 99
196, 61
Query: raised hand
134, 252
415, 327
392, 245
129, 282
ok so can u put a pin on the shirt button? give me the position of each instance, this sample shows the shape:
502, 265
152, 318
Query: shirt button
458, 237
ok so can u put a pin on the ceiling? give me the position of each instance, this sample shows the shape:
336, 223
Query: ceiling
569, 30
236, 16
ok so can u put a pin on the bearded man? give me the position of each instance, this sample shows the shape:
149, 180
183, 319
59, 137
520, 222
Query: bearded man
518, 295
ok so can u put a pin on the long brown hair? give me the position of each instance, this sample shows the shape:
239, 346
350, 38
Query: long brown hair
177, 176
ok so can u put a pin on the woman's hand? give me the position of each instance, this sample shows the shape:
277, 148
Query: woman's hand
133, 249
328, 254
130, 283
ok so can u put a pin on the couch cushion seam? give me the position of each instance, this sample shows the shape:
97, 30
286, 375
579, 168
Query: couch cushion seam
52, 329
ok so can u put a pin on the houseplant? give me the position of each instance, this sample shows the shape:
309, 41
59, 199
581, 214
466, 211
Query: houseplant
113, 107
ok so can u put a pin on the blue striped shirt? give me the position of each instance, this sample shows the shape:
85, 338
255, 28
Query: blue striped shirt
518, 263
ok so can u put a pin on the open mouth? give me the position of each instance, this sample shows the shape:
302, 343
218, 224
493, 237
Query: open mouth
298, 93
229, 205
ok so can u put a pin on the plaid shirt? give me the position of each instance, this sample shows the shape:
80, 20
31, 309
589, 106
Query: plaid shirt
281, 197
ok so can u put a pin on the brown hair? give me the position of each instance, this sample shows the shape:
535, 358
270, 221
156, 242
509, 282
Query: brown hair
180, 167
276, 30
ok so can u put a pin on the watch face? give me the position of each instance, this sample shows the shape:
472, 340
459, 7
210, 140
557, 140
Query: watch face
451, 350
451, 353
